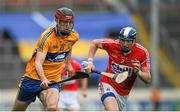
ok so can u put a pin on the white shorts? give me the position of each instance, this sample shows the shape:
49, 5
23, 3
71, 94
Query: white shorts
68, 100
122, 100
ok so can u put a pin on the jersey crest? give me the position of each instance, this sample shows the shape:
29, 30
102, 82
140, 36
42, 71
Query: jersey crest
57, 57
117, 68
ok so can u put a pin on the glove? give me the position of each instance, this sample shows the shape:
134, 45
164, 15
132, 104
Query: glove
87, 66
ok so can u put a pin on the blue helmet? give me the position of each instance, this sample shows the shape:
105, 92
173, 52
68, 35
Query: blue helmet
127, 33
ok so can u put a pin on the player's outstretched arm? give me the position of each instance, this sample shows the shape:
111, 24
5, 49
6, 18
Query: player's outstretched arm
95, 44
84, 87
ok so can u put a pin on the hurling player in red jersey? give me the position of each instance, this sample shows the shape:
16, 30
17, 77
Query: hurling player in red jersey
124, 55
68, 99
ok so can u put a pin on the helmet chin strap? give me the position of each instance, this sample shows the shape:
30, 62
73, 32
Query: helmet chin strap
126, 52
65, 32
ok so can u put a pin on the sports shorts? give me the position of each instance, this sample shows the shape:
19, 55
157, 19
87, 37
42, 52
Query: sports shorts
105, 89
30, 88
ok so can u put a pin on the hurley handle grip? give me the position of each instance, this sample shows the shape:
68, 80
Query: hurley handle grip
96, 71
85, 65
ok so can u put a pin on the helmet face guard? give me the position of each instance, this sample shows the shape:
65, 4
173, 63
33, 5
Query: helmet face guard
65, 21
64, 27
127, 37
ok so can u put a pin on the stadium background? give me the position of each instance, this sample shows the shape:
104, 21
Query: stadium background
22, 21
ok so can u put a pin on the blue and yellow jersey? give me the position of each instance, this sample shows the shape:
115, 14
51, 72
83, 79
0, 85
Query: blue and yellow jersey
57, 49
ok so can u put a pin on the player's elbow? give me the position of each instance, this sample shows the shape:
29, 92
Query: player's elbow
148, 81
96, 43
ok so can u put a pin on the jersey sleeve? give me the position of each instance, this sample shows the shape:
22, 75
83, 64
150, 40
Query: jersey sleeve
75, 38
107, 43
43, 43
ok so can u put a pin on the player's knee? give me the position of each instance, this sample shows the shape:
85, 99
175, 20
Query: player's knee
104, 96
109, 101
20, 106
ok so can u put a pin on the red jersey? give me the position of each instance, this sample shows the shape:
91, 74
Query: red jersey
118, 62
72, 85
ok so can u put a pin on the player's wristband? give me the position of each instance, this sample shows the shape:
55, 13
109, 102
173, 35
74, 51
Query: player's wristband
90, 59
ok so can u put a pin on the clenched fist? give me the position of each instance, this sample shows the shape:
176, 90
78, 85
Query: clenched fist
87, 66
136, 66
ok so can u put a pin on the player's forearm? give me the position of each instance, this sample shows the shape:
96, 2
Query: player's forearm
39, 70
93, 49
144, 76
84, 84
68, 60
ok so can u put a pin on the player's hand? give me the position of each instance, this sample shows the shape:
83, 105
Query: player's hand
44, 83
84, 93
69, 70
90, 67
136, 66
